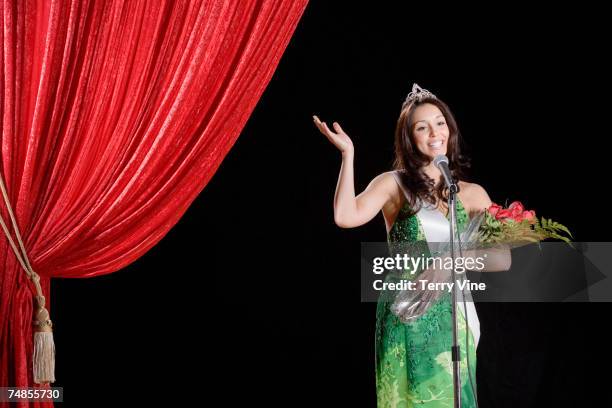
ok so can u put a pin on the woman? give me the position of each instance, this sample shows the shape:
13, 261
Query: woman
413, 359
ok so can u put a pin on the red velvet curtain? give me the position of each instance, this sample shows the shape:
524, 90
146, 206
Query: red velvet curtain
115, 115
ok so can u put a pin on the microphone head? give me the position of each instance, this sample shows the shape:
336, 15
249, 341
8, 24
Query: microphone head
440, 159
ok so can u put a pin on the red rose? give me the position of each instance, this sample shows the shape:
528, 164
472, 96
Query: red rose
494, 208
516, 209
503, 213
530, 216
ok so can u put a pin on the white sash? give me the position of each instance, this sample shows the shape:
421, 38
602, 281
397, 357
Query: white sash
437, 231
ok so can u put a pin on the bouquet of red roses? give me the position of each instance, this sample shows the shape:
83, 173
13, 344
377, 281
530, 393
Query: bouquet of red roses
515, 224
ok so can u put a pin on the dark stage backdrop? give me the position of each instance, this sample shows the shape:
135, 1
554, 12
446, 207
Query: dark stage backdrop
256, 292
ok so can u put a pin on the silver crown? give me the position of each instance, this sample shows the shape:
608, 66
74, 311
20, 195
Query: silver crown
418, 94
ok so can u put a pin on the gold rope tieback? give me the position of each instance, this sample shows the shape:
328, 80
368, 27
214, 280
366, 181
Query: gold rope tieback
44, 346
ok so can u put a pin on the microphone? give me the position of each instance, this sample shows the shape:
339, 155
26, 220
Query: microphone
441, 162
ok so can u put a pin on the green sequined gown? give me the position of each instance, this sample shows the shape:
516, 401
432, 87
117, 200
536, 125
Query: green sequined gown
413, 360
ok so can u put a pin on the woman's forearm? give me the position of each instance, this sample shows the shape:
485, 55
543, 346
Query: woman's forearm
345, 204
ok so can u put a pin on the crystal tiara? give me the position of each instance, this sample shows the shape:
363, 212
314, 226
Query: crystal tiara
418, 94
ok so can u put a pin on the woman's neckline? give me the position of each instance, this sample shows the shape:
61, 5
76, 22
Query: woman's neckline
459, 204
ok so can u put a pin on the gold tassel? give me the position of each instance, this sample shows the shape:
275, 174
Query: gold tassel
44, 347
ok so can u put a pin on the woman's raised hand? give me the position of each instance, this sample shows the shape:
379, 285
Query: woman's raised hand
338, 138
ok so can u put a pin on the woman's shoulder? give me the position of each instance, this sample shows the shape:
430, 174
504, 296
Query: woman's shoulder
385, 185
389, 174
387, 178
392, 179
474, 196
472, 189
393, 188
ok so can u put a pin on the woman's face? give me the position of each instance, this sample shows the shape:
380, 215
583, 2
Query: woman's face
430, 130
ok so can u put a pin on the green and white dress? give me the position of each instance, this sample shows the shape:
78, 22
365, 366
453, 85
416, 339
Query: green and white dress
413, 360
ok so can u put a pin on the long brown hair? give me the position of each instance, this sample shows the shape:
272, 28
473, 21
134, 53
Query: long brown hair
410, 161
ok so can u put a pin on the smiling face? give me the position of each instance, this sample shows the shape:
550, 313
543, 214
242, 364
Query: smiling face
430, 130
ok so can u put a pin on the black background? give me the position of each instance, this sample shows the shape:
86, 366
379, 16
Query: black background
253, 297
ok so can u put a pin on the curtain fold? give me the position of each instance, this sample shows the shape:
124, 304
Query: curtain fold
115, 115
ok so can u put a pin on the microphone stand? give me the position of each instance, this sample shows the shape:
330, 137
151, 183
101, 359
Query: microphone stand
455, 351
